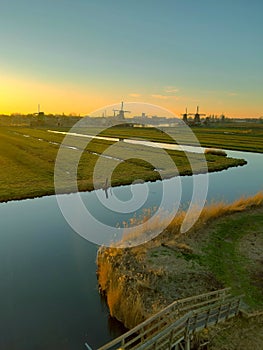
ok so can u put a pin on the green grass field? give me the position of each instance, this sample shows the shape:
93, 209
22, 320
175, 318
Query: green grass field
222, 255
247, 137
28, 155
232, 136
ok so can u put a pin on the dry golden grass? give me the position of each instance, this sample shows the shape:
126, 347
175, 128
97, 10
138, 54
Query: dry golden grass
104, 273
113, 283
215, 151
216, 210
120, 274
114, 298
144, 229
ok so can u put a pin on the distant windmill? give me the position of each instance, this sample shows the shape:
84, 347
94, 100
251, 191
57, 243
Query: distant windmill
185, 115
197, 115
39, 114
121, 112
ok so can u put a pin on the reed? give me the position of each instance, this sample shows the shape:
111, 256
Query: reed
115, 283
131, 287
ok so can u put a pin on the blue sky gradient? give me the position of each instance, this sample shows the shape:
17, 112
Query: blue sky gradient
173, 53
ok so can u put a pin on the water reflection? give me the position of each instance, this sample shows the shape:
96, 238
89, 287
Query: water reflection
48, 295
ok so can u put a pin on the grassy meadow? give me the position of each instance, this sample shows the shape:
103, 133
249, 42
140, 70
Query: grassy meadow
236, 136
28, 155
233, 136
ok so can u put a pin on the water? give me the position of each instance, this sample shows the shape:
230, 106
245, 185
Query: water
48, 286
226, 185
230, 184
48, 291
163, 145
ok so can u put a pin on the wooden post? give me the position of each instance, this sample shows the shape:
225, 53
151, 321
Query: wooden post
171, 339
143, 336
238, 307
187, 343
122, 342
229, 309
187, 335
207, 318
219, 314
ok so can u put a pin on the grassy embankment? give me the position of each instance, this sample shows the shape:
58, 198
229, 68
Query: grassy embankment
224, 248
27, 163
234, 136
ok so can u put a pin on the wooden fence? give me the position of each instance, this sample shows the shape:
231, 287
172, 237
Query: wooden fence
172, 327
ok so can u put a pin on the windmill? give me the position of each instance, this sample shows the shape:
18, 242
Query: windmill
121, 112
185, 115
197, 115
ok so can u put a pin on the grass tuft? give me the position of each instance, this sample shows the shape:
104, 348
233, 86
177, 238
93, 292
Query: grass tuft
215, 152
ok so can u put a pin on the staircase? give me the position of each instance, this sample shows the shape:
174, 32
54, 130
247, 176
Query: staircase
172, 327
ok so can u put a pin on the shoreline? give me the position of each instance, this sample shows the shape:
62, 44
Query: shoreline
236, 162
137, 282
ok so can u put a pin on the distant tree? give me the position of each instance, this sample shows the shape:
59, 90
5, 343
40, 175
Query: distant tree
223, 118
16, 114
207, 120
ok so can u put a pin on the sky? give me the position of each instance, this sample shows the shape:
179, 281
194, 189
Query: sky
75, 56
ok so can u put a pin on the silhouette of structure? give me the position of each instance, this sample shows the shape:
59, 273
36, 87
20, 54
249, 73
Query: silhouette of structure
197, 116
185, 116
106, 187
121, 113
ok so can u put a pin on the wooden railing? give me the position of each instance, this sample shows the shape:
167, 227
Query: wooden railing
173, 326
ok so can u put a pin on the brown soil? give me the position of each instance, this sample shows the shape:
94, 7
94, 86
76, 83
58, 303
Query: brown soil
237, 334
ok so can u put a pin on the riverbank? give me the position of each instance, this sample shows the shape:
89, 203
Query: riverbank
28, 156
224, 248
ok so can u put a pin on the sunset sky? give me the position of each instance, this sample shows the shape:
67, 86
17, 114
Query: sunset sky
79, 55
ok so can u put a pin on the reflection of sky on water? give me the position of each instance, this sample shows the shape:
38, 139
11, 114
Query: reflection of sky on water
48, 292
226, 185
48, 272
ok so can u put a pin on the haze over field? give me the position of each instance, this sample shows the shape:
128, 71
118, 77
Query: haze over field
77, 56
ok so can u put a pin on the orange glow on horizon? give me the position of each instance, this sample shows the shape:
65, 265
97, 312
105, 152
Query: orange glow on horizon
20, 95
